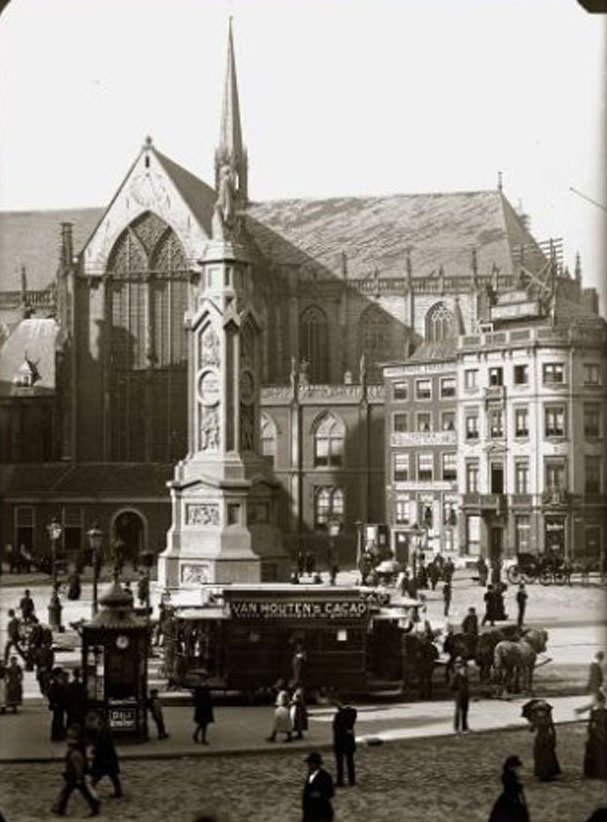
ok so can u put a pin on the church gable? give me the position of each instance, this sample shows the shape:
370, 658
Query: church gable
168, 195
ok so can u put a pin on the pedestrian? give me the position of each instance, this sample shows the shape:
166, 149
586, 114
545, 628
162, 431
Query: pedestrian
74, 777
344, 742
595, 754
448, 570
75, 700
105, 759
483, 571
25, 560
511, 805
45, 659
203, 709
13, 677
298, 663
9, 553
143, 587
13, 630
428, 655
282, 715
26, 606
596, 677
496, 571
470, 623
310, 563
521, 602
449, 649
460, 688
545, 763
317, 792
446, 597
422, 576
57, 703
489, 598
434, 575
74, 587
154, 706
299, 714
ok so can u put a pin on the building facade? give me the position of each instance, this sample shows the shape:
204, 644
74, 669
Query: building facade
339, 288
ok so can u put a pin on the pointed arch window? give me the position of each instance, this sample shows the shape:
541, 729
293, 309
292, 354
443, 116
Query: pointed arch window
374, 341
328, 505
440, 323
313, 342
267, 438
329, 440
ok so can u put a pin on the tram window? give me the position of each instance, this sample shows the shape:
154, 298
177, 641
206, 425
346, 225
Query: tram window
342, 635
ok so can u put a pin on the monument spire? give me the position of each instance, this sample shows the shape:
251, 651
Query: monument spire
230, 149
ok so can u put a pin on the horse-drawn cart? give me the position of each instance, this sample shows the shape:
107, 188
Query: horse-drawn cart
544, 568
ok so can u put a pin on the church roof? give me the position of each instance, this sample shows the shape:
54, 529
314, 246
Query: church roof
374, 233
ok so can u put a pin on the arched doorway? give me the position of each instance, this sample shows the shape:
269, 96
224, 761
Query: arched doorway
128, 529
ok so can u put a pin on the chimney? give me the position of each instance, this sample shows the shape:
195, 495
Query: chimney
67, 244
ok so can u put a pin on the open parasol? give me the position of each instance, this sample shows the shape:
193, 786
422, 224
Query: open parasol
536, 709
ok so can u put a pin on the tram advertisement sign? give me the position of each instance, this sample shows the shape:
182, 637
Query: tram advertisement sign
122, 719
329, 609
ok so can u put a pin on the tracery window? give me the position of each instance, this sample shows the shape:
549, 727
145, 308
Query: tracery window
147, 290
374, 341
313, 340
329, 438
439, 323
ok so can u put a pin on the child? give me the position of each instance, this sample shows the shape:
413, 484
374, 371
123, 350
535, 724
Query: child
155, 708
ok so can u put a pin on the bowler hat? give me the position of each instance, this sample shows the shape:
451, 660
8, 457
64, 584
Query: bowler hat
513, 762
313, 758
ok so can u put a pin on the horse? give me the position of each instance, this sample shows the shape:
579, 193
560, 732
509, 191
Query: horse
481, 648
514, 661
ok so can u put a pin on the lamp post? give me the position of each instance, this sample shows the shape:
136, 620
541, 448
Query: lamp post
147, 560
54, 531
334, 529
95, 536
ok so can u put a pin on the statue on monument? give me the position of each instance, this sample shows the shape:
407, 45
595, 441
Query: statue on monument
223, 214
209, 430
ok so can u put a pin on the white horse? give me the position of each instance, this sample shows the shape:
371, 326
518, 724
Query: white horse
513, 662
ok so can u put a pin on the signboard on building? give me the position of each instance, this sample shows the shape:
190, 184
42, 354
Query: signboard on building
402, 438
513, 311
274, 609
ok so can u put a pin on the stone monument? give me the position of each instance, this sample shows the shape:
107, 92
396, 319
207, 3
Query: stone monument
223, 493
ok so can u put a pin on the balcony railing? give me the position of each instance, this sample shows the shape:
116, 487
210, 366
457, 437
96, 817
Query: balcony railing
555, 496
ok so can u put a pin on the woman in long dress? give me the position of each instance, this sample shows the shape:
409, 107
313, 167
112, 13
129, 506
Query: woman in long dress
13, 677
203, 710
595, 755
510, 805
299, 714
282, 717
546, 764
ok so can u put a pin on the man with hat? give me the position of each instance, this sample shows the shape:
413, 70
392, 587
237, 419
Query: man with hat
74, 776
344, 741
317, 792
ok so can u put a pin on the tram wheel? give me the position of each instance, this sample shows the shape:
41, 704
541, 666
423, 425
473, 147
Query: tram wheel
513, 574
546, 577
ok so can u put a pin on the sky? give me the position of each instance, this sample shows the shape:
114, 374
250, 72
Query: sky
338, 97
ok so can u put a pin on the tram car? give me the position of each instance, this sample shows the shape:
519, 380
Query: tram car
250, 637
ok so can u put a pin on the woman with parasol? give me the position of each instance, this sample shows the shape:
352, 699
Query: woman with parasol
539, 714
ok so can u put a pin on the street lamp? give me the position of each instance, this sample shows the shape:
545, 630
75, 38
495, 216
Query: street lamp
54, 531
334, 529
95, 536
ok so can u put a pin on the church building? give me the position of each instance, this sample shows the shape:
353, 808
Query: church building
94, 347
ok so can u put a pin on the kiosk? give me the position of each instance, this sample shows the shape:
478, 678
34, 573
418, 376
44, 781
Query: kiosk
114, 664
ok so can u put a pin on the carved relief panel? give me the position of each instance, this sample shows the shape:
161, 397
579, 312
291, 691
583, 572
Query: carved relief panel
208, 390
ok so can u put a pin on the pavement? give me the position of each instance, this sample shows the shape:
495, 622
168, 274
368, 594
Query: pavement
574, 615
24, 737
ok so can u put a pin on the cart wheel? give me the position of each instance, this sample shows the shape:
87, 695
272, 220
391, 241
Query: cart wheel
514, 574
546, 577
559, 577
529, 579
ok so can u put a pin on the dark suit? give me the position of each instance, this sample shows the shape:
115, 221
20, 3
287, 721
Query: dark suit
344, 743
316, 799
